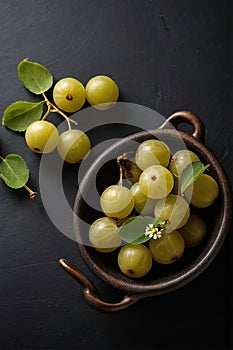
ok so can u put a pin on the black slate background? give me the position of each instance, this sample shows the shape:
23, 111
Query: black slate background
166, 55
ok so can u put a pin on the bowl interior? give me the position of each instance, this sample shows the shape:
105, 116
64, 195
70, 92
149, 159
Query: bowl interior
161, 278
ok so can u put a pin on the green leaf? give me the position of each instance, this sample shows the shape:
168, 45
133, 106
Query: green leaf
133, 230
14, 171
20, 114
191, 173
35, 77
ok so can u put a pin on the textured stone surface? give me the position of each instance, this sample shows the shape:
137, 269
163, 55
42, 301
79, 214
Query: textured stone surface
166, 55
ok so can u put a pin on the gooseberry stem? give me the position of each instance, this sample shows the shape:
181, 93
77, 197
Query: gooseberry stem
56, 110
119, 159
32, 193
53, 109
47, 112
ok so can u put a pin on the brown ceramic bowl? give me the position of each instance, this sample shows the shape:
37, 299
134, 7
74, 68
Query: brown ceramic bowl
164, 278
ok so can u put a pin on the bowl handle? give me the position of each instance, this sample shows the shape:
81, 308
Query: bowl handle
91, 294
187, 117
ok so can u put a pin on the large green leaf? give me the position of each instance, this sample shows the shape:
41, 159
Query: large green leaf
191, 173
19, 115
14, 171
35, 77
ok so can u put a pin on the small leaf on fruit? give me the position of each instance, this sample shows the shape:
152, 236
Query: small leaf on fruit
191, 173
133, 230
14, 171
20, 114
35, 77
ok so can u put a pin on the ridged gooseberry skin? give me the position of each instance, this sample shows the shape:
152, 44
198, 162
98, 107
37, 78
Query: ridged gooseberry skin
142, 204
135, 260
103, 234
194, 231
42, 136
168, 248
152, 152
180, 160
117, 201
69, 95
73, 146
205, 191
102, 92
156, 182
174, 210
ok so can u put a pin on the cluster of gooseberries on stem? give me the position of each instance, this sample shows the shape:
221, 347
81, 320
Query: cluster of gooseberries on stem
69, 95
41, 135
153, 220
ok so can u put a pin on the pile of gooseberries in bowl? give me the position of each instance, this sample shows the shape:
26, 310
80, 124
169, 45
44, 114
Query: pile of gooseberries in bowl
163, 212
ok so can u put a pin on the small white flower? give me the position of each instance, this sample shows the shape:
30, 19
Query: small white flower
153, 232
158, 235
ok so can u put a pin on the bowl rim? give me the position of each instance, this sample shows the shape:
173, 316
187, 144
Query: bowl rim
181, 277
